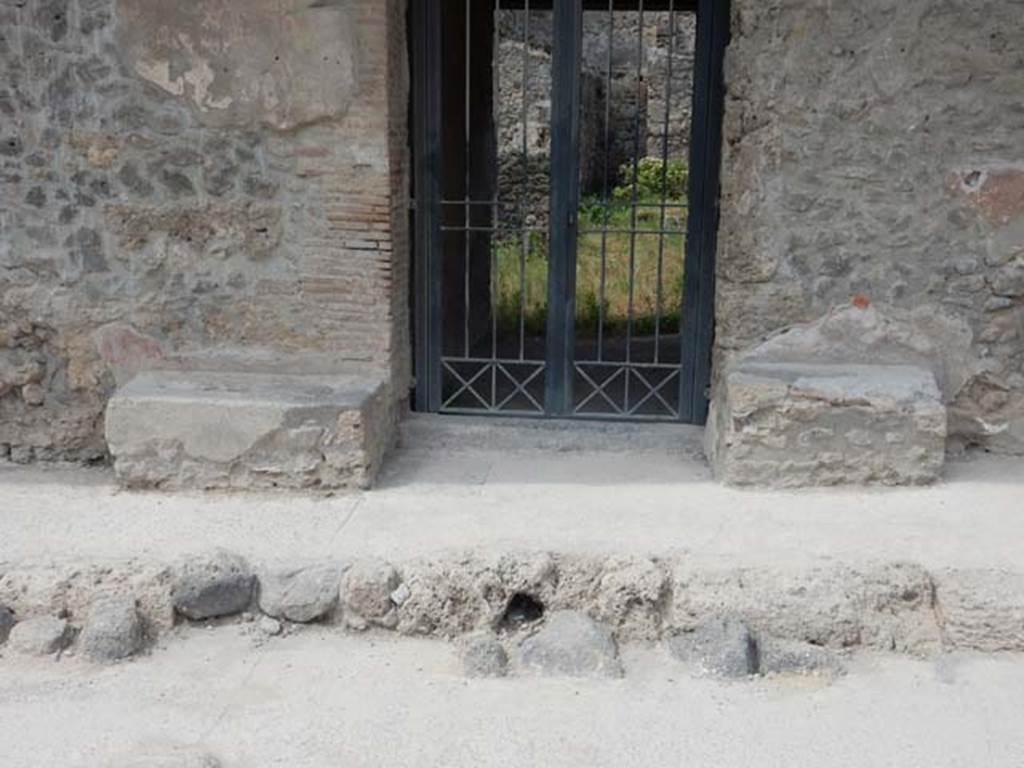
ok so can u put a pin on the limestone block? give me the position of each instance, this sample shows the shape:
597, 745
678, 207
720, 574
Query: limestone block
982, 609
888, 606
799, 424
41, 636
213, 429
365, 594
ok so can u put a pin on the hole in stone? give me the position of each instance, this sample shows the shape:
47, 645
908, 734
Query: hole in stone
971, 179
522, 609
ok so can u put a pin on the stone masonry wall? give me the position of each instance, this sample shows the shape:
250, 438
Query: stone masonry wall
185, 178
877, 149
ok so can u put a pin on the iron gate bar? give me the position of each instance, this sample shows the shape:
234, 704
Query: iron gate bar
701, 240
600, 5
524, 237
664, 172
564, 182
467, 128
604, 188
633, 193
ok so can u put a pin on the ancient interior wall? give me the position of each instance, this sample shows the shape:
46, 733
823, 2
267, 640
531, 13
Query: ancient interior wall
877, 148
179, 178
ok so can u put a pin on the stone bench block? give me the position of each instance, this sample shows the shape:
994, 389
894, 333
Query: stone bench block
801, 424
213, 430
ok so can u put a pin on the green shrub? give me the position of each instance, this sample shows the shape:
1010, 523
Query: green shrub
654, 180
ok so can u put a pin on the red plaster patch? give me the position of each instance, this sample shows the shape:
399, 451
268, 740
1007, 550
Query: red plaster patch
125, 349
860, 301
998, 194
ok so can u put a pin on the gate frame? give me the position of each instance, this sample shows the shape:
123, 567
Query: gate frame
697, 320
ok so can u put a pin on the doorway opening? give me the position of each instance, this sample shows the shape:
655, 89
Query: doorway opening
566, 162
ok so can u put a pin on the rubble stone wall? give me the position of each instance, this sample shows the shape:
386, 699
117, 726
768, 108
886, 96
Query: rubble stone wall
181, 178
177, 178
877, 150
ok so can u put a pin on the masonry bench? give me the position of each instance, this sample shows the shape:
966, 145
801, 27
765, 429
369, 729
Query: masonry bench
215, 429
792, 424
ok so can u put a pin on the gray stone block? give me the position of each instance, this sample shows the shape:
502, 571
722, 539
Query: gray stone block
802, 424
483, 655
719, 647
570, 644
300, 595
782, 657
218, 583
7, 622
40, 636
215, 429
113, 630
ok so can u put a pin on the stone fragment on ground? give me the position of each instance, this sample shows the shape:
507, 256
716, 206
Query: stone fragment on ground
164, 757
112, 630
300, 595
269, 626
789, 657
217, 583
718, 647
570, 644
365, 593
483, 655
7, 622
40, 636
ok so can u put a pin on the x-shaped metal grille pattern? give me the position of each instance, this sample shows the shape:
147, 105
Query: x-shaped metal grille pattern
492, 385
624, 389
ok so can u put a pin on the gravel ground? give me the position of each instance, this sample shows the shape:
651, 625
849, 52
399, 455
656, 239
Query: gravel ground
561, 501
320, 698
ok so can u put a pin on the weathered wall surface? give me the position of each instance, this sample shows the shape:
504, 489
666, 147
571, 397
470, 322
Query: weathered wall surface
186, 177
878, 149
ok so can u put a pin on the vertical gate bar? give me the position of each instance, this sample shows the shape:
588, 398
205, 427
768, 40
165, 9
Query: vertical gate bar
636, 185
495, 211
664, 175
565, 178
701, 237
523, 232
604, 185
466, 194
426, 140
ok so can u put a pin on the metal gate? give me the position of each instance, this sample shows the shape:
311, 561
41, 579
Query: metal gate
566, 181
